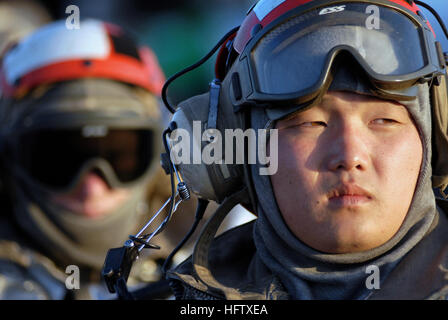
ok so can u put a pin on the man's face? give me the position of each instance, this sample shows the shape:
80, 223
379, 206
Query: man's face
92, 197
348, 168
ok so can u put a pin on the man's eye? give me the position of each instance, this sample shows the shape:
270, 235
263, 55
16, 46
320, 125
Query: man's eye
384, 121
313, 124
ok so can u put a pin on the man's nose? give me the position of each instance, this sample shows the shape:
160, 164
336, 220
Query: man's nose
92, 185
349, 150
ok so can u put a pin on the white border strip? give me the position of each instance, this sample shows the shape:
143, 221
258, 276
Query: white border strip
264, 7
55, 43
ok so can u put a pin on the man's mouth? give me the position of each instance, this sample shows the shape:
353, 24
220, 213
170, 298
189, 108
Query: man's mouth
349, 195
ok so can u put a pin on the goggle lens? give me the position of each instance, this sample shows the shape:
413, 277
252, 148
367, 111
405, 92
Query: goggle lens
292, 57
54, 157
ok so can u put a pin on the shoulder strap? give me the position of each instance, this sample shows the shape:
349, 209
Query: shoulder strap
202, 248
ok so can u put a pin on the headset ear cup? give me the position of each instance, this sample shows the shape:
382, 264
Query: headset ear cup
209, 178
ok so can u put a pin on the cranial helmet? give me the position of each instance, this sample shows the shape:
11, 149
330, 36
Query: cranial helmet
76, 101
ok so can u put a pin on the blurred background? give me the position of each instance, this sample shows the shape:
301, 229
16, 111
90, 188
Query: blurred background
181, 32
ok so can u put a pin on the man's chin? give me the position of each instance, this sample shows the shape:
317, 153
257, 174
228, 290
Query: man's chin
349, 239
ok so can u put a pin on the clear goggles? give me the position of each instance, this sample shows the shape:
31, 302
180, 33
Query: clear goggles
293, 58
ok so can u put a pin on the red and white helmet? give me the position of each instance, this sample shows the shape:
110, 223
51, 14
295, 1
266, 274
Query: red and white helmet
55, 53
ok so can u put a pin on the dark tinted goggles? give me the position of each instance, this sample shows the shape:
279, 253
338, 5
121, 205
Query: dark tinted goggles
55, 157
292, 59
